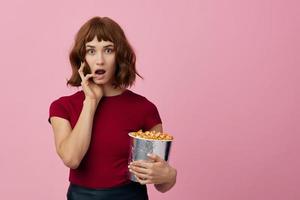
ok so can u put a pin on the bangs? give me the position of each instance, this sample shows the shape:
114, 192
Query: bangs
101, 31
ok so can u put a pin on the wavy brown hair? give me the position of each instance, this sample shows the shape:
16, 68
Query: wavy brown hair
105, 29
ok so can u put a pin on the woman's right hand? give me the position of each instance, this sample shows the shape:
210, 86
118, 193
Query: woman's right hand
91, 90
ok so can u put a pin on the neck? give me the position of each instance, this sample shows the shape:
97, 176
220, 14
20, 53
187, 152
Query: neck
109, 90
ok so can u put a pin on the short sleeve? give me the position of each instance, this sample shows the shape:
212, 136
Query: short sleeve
152, 116
58, 109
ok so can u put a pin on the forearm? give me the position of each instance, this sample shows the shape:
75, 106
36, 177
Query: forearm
164, 187
75, 145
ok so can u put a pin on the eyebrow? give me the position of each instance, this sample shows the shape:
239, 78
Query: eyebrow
109, 45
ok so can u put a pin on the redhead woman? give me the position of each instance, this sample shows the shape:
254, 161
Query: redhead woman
91, 126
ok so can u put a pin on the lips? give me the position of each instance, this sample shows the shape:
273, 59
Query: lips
100, 71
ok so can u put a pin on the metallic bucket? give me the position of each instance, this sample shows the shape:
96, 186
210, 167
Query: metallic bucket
141, 147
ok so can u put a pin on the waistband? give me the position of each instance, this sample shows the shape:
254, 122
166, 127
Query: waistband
130, 191
127, 185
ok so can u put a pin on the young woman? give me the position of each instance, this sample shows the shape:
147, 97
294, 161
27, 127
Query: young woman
91, 126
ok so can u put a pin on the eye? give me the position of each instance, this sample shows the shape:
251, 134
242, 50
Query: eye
90, 51
108, 50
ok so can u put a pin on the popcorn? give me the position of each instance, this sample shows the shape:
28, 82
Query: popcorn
152, 135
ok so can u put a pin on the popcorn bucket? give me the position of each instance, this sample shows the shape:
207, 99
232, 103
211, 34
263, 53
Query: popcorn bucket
140, 147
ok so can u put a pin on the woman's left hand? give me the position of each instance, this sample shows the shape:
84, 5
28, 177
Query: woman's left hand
153, 171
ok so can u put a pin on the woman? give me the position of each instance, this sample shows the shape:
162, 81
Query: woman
91, 126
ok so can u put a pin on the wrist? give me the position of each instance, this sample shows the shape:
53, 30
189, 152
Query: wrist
91, 102
164, 187
172, 174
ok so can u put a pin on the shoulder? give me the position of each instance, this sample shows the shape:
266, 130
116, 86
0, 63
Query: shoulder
148, 112
139, 98
66, 99
141, 101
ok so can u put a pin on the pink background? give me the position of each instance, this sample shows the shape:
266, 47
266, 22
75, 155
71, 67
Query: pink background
223, 74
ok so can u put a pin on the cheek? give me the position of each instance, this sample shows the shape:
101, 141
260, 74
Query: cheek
89, 61
111, 64
111, 59
113, 69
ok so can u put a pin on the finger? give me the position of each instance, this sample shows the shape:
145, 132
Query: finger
155, 157
88, 76
139, 180
80, 71
140, 175
142, 182
142, 163
139, 169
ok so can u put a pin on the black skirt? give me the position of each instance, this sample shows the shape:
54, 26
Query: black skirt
130, 191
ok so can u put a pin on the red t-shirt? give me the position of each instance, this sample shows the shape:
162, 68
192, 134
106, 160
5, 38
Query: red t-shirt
105, 164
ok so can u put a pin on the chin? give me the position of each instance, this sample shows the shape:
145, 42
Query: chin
101, 81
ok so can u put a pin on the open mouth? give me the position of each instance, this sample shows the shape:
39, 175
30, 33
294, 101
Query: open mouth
100, 71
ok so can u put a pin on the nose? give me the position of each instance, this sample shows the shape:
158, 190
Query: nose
99, 58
